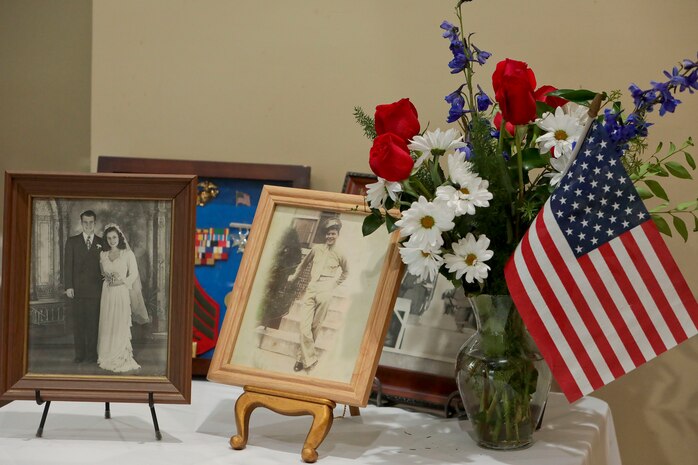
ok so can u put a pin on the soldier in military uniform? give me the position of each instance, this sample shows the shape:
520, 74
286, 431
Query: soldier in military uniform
328, 270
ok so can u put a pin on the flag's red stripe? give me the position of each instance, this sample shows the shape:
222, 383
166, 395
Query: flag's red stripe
535, 326
626, 287
558, 313
653, 287
576, 296
611, 310
672, 270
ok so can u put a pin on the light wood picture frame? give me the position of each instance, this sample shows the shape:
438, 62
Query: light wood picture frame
291, 268
44, 305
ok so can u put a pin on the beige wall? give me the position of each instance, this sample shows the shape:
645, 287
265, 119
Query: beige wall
273, 81
45, 68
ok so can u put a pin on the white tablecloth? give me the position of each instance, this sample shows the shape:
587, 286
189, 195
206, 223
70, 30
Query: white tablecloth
77, 433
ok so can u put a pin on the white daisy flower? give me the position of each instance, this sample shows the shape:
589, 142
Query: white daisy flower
463, 200
378, 192
562, 132
435, 143
459, 170
469, 258
560, 166
578, 112
425, 221
422, 262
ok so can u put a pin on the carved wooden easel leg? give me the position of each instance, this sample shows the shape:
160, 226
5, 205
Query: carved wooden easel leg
285, 404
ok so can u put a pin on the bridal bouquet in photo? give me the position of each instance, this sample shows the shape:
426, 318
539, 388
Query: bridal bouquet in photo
463, 198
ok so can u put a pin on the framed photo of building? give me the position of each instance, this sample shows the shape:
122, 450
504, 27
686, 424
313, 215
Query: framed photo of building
97, 289
311, 304
227, 198
431, 320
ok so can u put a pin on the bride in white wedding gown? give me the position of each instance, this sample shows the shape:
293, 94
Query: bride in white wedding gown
120, 271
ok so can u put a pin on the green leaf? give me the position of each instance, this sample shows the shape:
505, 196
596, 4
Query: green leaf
695, 224
690, 205
680, 227
576, 96
677, 170
371, 223
542, 107
659, 147
672, 147
390, 222
689, 159
656, 189
532, 158
662, 225
644, 193
435, 175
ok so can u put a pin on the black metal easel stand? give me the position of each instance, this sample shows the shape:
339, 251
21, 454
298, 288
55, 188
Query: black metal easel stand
107, 413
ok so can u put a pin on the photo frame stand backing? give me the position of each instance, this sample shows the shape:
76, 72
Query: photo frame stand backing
107, 414
286, 403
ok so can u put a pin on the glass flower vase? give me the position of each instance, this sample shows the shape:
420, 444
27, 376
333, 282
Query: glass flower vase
502, 378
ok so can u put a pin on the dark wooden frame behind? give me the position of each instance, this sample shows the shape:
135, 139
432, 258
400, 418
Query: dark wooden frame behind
398, 384
298, 176
15, 382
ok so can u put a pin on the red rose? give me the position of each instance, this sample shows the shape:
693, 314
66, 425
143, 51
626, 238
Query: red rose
390, 158
399, 117
514, 83
541, 95
498, 124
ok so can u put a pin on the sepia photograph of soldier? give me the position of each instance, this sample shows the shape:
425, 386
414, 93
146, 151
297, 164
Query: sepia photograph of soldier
312, 294
328, 269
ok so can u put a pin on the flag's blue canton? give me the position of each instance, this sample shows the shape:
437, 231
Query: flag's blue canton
596, 201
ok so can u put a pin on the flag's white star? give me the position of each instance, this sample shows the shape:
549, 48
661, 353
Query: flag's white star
559, 213
585, 166
566, 187
631, 197
594, 240
599, 157
628, 211
591, 139
597, 170
625, 224
612, 162
591, 196
569, 231
597, 227
622, 179
575, 205
606, 188
578, 249
616, 206
599, 214
587, 152
641, 215
585, 223
594, 183
572, 218
619, 192
609, 231
581, 178
563, 200
581, 236
603, 201
612, 219
609, 175
602, 144
587, 209
578, 192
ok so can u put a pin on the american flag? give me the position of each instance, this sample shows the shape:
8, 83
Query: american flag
594, 281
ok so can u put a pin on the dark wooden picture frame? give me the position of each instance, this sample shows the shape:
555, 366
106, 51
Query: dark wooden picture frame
398, 384
22, 189
288, 175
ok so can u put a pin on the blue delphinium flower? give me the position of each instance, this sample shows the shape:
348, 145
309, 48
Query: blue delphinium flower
480, 56
467, 150
457, 102
668, 102
483, 101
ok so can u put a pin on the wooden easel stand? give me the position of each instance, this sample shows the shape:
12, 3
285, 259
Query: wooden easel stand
290, 404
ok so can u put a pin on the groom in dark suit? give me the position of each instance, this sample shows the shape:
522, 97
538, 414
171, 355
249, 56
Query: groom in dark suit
83, 284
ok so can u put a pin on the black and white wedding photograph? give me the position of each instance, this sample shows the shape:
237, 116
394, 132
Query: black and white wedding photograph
99, 287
